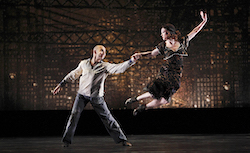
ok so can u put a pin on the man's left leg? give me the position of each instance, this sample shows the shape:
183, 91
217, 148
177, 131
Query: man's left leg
108, 120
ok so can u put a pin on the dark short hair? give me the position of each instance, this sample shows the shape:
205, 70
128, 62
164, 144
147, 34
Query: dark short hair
175, 34
170, 27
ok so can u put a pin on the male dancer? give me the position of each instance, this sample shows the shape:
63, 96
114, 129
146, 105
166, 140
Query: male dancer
92, 73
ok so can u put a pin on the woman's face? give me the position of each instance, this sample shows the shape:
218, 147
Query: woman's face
164, 34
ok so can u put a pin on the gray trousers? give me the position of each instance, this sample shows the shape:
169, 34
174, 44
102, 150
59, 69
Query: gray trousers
103, 112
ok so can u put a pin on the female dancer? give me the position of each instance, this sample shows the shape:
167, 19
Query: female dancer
167, 81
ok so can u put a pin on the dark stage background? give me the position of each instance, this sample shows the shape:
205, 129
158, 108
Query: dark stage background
41, 41
158, 121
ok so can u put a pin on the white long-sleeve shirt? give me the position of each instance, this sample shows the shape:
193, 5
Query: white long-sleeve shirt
92, 77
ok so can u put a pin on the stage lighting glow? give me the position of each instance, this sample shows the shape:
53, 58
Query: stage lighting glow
226, 86
207, 98
12, 75
69, 97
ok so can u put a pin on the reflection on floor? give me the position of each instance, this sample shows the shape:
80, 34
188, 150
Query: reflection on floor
220, 143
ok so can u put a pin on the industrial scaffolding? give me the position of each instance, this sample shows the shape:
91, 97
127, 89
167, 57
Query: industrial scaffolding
42, 40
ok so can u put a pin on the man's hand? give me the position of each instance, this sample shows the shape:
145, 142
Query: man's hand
56, 90
135, 57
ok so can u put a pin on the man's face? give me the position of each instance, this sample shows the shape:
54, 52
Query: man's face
100, 53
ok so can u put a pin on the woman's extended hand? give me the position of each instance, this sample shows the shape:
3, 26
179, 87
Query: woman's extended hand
135, 57
203, 16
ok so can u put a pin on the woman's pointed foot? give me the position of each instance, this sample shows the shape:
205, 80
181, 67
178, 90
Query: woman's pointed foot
131, 100
139, 109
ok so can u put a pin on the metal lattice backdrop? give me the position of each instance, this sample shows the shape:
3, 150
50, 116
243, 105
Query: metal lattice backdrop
42, 40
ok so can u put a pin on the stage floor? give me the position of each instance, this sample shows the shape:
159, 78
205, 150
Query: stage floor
219, 143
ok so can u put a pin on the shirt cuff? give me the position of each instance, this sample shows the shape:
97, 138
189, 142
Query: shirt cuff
62, 83
131, 62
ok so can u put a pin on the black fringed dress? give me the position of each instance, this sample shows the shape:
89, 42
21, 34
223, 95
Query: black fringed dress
167, 82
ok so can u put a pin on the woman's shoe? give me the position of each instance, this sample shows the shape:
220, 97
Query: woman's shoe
131, 100
139, 109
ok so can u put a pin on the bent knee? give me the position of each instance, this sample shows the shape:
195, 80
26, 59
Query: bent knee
163, 101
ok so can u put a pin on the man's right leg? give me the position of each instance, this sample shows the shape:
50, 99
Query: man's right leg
79, 104
109, 121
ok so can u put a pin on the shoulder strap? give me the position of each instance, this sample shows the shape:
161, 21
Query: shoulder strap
161, 47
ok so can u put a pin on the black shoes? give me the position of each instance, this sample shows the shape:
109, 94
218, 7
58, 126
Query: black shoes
131, 100
66, 144
126, 143
139, 109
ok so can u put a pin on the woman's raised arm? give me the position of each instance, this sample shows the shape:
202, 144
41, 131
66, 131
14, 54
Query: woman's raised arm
192, 34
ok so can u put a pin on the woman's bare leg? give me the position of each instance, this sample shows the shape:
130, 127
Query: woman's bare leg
145, 95
156, 103
135, 99
152, 104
